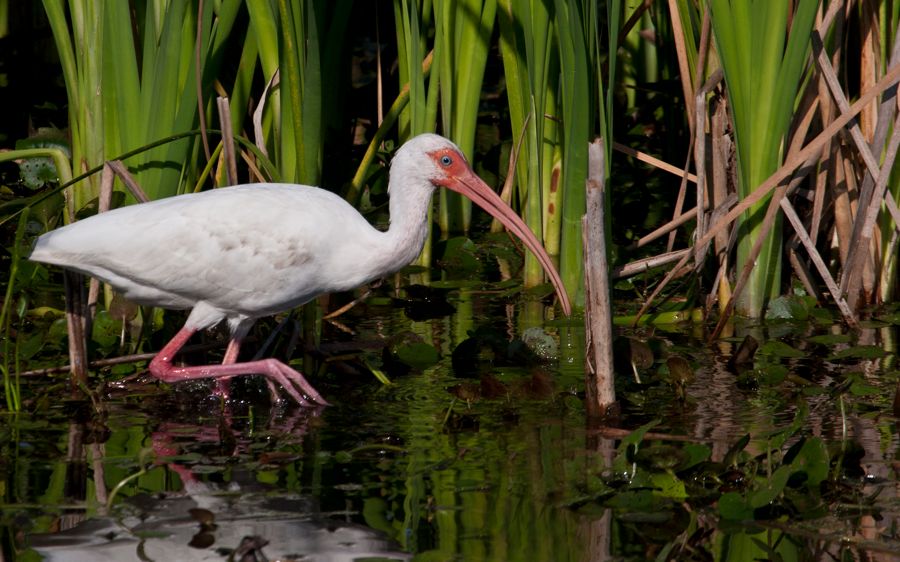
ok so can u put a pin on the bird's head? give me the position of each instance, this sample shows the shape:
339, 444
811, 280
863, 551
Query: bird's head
432, 159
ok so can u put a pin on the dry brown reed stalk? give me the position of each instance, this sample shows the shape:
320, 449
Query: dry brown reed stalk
250, 161
679, 200
819, 263
859, 280
75, 322
107, 179
600, 388
633, 20
680, 218
700, 162
80, 308
258, 135
866, 219
664, 229
765, 227
123, 359
869, 64
703, 47
127, 180
80, 312
857, 179
812, 149
644, 265
654, 161
721, 290
720, 164
687, 85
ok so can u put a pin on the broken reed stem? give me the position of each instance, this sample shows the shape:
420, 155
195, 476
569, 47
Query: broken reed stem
133, 187
817, 260
601, 392
653, 161
74, 287
646, 264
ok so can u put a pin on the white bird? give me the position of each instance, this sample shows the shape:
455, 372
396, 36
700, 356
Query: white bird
243, 252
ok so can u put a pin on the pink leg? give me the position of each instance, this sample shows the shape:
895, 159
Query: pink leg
291, 380
223, 386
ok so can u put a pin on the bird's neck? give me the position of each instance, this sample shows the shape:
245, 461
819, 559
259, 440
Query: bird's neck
408, 228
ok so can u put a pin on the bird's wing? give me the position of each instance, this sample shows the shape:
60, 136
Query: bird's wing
256, 247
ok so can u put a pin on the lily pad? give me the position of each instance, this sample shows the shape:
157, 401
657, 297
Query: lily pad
541, 343
418, 355
39, 171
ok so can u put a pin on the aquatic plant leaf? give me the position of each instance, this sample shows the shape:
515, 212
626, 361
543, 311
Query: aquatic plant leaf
638, 500
892, 318
860, 352
27, 347
458, 253
123, 369
813, 460
862, 388
659, 456
635, 437
680, 370
106, 330
778, 438
830, 339
731, 456
771, 488
695, 454
668, 485
773, 375
733, 506
780, 349
789, 307
629, 446
58, 329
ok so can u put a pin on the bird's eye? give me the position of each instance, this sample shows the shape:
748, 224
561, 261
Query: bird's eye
446, 160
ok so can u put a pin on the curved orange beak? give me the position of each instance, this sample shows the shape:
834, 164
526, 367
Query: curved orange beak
462, 179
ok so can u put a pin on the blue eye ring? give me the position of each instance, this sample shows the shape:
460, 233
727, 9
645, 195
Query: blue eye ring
446, 160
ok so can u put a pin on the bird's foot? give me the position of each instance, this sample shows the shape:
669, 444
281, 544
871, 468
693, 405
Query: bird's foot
274, 370
293, 382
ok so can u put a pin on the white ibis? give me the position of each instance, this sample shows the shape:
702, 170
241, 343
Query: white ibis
247, 251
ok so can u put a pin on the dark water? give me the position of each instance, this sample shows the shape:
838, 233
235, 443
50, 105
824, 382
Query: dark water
491, 460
